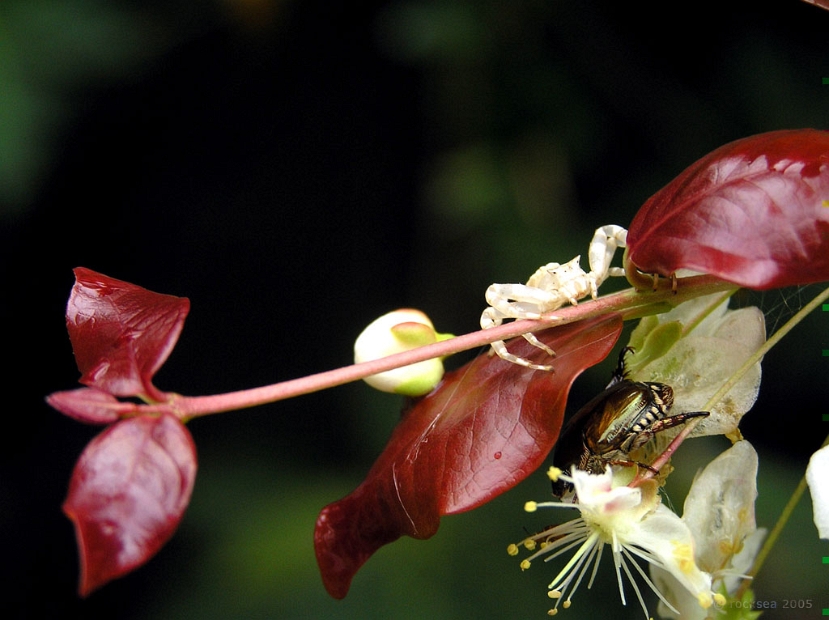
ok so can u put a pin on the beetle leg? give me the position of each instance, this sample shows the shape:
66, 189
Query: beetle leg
629, 463
677, 419
637, 440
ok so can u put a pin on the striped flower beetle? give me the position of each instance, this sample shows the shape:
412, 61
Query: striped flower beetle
623, 418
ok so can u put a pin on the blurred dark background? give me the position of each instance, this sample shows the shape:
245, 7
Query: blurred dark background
298, 168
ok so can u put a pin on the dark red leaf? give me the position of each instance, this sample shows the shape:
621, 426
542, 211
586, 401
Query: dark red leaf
87, 405
128, 493
754, 212
483, 430
121, 333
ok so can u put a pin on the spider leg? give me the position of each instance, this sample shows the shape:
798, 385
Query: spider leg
537, 343
501, 349
606, 240
491, 318
528, 302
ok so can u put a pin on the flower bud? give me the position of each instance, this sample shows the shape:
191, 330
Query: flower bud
395, 332
816, 475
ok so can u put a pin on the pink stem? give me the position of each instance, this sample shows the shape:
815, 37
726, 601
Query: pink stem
666, 455
629, 302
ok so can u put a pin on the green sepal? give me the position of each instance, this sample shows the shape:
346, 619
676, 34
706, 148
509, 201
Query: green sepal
651, 340
733, 609
414, 334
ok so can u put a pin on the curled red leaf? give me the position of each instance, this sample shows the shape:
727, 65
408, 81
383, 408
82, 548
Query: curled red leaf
754, 212
485, 428
121, 333
128, 493
88, 405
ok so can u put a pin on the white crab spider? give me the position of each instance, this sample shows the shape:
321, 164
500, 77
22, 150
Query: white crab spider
550, 287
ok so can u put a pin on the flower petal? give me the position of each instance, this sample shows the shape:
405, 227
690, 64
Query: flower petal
669, 540
696, 365
634, 523
719, 508
817, 475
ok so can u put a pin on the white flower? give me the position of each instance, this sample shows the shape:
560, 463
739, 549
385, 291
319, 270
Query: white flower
817, 476
633, 522
395, 332
694, 348
719, 511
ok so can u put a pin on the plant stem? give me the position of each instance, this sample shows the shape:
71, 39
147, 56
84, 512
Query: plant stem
767, 345
629, 303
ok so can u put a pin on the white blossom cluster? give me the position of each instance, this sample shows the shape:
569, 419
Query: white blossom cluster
697, 561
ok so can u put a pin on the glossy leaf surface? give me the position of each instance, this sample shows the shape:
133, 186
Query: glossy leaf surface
485, 428
86, 405
128, 493
121, 333
754, 212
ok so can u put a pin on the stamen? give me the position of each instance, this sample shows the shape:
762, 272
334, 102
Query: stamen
554, 473
646, 555
633, 582
590, 560
610, 516
552, 540
617, 560
551, 505
560, 546
600, 548
651, 585
576, 561
705, 600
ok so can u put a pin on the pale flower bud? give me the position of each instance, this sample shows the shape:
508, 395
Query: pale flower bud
395, 332
816, 475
